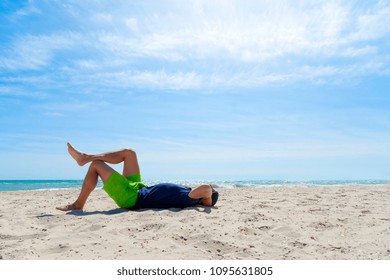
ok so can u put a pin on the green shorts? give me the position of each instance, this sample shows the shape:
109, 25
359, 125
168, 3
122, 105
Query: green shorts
123, 190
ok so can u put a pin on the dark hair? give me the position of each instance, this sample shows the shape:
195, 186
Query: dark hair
214, 197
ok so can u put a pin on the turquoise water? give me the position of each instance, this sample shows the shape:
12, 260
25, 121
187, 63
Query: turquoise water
17, 185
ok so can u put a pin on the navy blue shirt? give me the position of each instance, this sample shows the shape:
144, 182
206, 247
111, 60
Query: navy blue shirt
165, 195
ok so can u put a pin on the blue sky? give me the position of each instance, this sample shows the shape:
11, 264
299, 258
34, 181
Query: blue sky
227, 90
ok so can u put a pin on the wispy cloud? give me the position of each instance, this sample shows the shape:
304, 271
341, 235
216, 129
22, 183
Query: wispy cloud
34, 52
28, 9
252, 31
149, 79
252, 80
210, 45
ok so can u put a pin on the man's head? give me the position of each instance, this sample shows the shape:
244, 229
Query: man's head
214, 197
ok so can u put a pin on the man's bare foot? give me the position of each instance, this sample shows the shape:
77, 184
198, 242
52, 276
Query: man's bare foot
79, 157
69, 207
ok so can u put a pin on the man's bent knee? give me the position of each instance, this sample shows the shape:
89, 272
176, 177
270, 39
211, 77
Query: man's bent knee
129, 152
96, 164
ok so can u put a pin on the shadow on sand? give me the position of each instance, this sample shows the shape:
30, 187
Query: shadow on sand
206, 210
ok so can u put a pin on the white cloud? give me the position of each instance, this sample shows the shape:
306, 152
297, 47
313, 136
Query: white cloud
255, 43
360, 51
162, 79
71, 107
203, 44
27, 10
373, 23
144, 79
35, 52
187, 151
132, 24
102, 18
238, 33
18, 91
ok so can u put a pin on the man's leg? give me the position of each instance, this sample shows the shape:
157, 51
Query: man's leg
96, 169
127, 156
100, 168
203, 192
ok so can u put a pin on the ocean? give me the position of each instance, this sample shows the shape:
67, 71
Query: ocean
20, 185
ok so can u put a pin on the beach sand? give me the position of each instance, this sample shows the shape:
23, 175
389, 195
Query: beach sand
276, 223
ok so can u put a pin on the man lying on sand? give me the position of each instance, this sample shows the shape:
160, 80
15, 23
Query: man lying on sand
127, 190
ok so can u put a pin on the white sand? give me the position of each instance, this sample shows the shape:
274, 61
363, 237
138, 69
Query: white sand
350, 222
